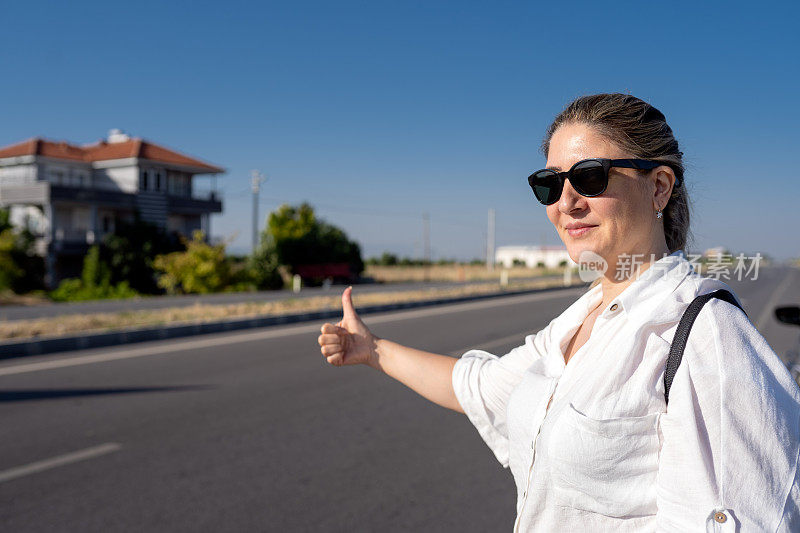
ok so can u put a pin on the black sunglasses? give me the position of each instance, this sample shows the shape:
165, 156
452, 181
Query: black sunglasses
588, 177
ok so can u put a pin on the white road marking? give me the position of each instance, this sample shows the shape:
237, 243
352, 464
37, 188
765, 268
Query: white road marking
769, 308
61, 460
238, 337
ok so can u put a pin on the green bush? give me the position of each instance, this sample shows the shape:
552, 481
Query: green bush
201, 269
94, 284
263, 269
73, 290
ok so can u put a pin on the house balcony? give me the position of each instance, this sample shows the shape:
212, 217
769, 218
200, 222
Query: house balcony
44, 193
195, 204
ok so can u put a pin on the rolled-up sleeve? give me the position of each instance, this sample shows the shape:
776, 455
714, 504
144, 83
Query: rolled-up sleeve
483, 383
731, 434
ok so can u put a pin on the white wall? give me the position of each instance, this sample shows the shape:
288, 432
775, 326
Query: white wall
17, 175
531, 255
125, 179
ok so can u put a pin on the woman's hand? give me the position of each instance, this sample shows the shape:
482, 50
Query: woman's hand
349, 342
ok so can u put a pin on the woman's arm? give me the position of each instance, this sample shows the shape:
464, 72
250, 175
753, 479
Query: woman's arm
351, 342
429, 374
729, 454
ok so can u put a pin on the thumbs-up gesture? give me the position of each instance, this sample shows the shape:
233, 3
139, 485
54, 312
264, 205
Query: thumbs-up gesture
348, 342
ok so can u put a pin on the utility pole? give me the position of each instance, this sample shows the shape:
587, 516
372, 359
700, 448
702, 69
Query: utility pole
426, 239
490, 242
256, 179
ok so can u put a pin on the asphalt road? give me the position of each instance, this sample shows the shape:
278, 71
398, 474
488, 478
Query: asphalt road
253, 431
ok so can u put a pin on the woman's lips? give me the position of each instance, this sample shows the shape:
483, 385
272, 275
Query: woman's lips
577, 232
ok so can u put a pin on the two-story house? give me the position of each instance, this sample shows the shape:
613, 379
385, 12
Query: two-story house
71, 196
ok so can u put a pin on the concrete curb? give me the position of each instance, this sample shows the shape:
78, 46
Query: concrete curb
28, 347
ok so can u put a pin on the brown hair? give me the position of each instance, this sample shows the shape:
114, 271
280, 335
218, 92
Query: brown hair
642, 130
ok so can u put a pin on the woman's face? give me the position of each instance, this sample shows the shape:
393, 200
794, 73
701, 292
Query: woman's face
619, 221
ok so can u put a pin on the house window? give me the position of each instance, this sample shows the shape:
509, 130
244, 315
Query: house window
143, 180
158, 180
178, 183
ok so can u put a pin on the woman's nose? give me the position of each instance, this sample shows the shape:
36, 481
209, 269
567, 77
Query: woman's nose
570, 200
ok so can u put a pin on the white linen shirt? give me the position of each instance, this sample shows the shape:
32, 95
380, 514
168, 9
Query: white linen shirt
608, 454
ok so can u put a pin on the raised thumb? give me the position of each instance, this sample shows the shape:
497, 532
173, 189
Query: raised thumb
347, 304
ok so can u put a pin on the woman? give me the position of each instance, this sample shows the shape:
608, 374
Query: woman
578, 413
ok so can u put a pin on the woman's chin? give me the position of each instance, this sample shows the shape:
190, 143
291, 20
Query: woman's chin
578, 251
588, 255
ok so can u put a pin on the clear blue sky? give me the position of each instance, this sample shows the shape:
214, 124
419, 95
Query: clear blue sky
376, 112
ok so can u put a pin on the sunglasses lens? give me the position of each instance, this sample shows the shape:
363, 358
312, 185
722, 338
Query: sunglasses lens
589, 178
546, 186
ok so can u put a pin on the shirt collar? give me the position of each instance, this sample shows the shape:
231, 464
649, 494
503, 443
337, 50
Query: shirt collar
643, 298
650, 287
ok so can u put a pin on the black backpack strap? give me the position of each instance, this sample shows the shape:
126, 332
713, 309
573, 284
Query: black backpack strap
682, 333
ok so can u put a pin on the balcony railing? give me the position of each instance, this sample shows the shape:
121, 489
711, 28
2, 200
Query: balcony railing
205, 195
201, 201
193, 205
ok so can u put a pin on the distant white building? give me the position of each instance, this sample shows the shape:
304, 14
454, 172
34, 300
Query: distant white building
532, 256
715, 252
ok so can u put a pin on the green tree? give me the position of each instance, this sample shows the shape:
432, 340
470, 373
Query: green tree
388, 259
21, 269
263, 268
5, 220
289, 222
131, 249
202, 268
298, 237
10, 272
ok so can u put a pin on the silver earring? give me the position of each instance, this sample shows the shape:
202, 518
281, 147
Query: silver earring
659, 214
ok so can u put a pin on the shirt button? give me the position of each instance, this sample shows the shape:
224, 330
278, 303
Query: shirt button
720, 517
614, 307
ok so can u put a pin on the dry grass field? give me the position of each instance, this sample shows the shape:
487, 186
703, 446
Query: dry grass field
396, 274
85, 323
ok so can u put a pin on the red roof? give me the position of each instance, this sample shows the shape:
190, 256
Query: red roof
104, 151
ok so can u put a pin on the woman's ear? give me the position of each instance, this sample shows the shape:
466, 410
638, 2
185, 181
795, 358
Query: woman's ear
664, 178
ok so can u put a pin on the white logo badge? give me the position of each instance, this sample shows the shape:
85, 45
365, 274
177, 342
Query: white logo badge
591, 266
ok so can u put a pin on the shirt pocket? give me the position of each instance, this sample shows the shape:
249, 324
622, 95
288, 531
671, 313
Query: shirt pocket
606, 466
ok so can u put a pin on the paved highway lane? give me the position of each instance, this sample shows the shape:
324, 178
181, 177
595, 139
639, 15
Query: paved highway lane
253, 431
